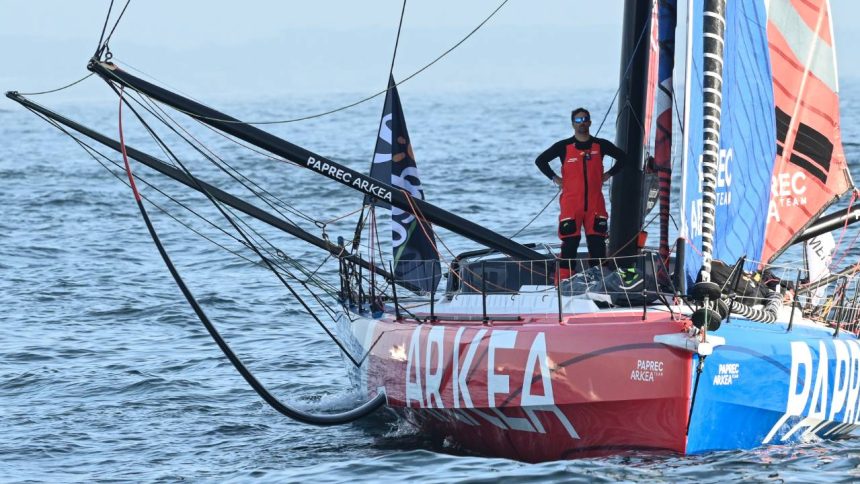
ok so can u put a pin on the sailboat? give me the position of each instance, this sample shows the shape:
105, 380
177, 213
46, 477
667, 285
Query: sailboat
654, 351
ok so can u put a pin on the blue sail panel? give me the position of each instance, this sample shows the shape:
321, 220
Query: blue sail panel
747, 139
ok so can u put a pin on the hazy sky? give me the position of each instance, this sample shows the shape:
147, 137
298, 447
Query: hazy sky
233, 48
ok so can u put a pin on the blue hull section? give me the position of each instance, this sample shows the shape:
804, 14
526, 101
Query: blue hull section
767, 385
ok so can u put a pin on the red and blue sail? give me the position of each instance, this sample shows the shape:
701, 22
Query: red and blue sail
415, 257
748, 131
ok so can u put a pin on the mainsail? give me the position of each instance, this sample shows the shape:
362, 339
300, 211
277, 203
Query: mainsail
810, 171
413, 243
748, 130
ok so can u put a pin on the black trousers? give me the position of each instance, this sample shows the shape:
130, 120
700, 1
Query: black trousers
570, 246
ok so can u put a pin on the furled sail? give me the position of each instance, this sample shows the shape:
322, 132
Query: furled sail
667, 11
748, 130
810, 170
413, 244
653, 56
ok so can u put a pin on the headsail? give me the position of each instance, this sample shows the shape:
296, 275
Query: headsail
810, 171
817, 256
748, 128
413, 243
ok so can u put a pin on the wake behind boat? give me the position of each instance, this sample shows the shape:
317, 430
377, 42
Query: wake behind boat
663, 349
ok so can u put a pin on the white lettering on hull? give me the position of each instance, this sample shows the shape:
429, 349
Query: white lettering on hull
424, 387
809, 390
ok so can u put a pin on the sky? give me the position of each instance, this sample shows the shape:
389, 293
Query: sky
244, 48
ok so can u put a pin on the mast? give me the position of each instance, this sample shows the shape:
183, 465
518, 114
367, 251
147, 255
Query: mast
626, 219
201, 186
319, 164
712, 97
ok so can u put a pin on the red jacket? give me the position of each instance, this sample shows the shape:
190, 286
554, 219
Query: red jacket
582, 203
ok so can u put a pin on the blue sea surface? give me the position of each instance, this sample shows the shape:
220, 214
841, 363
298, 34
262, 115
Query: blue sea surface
106, 374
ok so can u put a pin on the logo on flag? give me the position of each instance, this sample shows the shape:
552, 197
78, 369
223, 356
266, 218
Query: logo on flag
413, 243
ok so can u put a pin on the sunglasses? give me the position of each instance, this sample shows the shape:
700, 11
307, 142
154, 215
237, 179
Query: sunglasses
581, 119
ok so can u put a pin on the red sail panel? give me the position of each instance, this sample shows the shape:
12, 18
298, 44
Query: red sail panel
653, 58
810, 171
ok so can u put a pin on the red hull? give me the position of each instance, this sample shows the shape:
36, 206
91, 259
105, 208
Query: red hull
538, 390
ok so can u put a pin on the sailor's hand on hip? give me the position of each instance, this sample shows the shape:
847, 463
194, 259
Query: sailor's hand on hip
557, 180
606, 177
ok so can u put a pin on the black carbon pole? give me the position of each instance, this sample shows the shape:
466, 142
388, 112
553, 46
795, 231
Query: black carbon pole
200, 185
829, 223
626, 195
317, 163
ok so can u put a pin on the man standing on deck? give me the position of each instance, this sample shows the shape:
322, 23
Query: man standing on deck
582, 205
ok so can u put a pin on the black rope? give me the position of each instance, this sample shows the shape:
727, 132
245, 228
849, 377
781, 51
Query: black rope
317, 282
243, 235
57, 89
316, 419
273, 255
117, 21
100, 46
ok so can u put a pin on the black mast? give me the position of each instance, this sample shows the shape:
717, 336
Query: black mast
318, 164
215, 192
625, 221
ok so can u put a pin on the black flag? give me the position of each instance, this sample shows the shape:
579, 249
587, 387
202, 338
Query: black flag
413, 243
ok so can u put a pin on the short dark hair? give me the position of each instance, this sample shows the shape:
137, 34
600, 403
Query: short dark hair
577, 111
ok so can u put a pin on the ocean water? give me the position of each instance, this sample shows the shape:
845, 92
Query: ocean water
107, 375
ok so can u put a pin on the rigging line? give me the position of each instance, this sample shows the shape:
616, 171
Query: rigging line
116, 24
835, 263
90, 150
275, 200
103, 49
278, 254
360, 224
421, 220
626, 74
155, 79
241, 143
378, 242
57, 89
229, 219
397, 38
283, 205
244, 236
341, 217
537, 215
365, 99
329, 419
97, 53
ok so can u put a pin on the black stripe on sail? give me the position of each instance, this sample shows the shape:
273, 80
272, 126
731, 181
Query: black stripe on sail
814, 146
810, 168
783, 120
